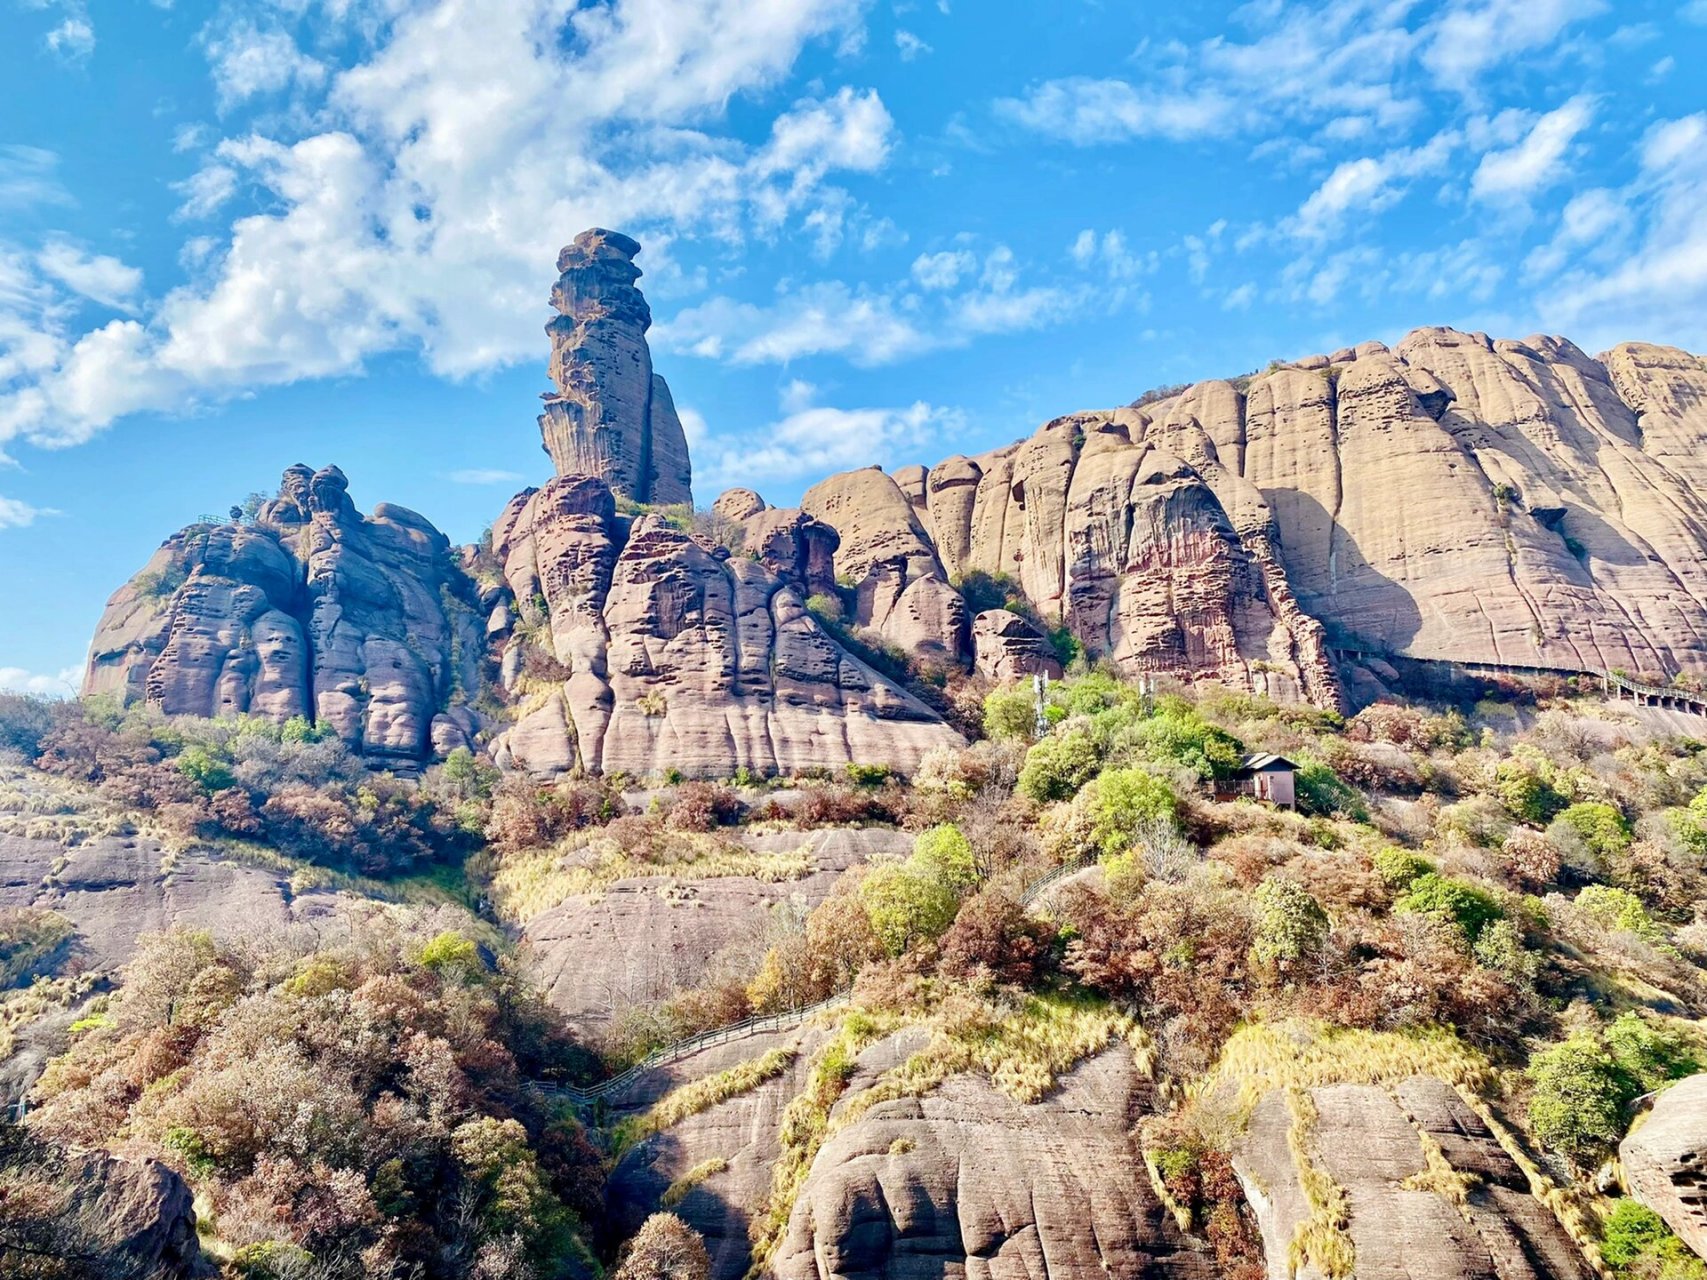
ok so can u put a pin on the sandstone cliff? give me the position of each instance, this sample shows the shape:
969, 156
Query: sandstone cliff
309, 609
661, 651
610, 416
1665, 1160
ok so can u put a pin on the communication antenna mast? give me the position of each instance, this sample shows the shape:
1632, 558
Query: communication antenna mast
1040, 687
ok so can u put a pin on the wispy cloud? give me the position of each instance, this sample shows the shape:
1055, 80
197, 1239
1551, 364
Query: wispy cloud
58, 684
18, 515
1539, 160
485, 476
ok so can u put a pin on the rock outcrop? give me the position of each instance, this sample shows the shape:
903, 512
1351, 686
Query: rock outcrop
665, 653
309, 608
1665, 1160
1007, 647
1476, 499
965, 1181
1401, 1222
610, 416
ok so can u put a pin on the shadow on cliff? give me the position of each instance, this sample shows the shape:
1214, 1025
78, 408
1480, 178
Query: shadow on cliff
1361, 608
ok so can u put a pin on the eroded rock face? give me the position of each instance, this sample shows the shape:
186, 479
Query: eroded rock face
364, 622
672, 655
1367, 1140
1665, 1160
610, 416
1477, 499
1007, 647
967, 1182
129, 1219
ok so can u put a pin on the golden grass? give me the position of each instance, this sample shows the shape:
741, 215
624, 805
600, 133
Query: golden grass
524, 885
1323, 1239
678, 1190
700, 1095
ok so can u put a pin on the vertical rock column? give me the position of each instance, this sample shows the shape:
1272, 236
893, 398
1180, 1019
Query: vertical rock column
610, 416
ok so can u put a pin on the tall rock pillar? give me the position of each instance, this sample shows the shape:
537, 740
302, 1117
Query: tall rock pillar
610, 415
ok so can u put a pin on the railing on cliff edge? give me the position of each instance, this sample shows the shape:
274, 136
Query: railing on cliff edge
675, 1051
1611, 682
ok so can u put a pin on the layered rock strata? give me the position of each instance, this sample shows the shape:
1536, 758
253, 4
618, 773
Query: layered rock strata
366, 623
1665, 1160
965, 1181
1375, 1144
610, 415
664, 653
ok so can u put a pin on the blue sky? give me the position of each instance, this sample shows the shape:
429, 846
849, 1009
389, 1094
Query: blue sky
234, 236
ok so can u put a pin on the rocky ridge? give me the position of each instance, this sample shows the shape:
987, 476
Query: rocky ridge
306, 608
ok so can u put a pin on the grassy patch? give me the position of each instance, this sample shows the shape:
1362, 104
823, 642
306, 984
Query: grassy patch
524, 885
701, 1095
678, 1190
1323, 1239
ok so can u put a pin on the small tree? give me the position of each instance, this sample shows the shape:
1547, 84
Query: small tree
1577, 1106
906, 905
1124, 802
1290, 923
1451, 901
945, 853
665, 1248
1058, 766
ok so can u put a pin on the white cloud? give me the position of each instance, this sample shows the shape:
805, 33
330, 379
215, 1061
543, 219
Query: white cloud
818, 440
73, 39
415, 200
19, 515
1595, 219
95, 276
27, 177
1474, 36
248, 62
1084, 111
943, 270
1370, 184
1538, 161
485, 476
60, 684
1110, 253
826, 318
910, 45
1639, 255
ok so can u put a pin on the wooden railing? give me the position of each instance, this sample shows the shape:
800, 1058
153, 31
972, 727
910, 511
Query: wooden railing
586, 1095
1612, 682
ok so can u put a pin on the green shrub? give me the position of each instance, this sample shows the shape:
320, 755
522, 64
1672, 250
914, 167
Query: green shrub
1290, 924
906, 905
1650, 1056
869, 775
1635, 1241
1617, 909
1056, 767
1125, 802
450, 950
1400, 868
1577, 1106
1010, 713
945, 853
1320, 792
1526, 794
1092, 692
1452, 901
1601, 827
206, 770
24, 722
1177, 735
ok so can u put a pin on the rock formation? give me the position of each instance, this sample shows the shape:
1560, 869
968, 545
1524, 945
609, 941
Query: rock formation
312, 609
1665, 1160
1007, 647
611, 416
1371, 1143
967, 1182
662, 652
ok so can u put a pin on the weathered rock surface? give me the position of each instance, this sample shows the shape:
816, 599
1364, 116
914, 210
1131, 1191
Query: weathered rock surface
125, 1219
900, 587
610, 416
672, 655
364, 622
1665, 1160
1006, 647
1368, 1141
1477, 499
967, 1182
646, 938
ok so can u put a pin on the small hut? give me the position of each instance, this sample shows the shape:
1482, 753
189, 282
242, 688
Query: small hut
1262, 776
